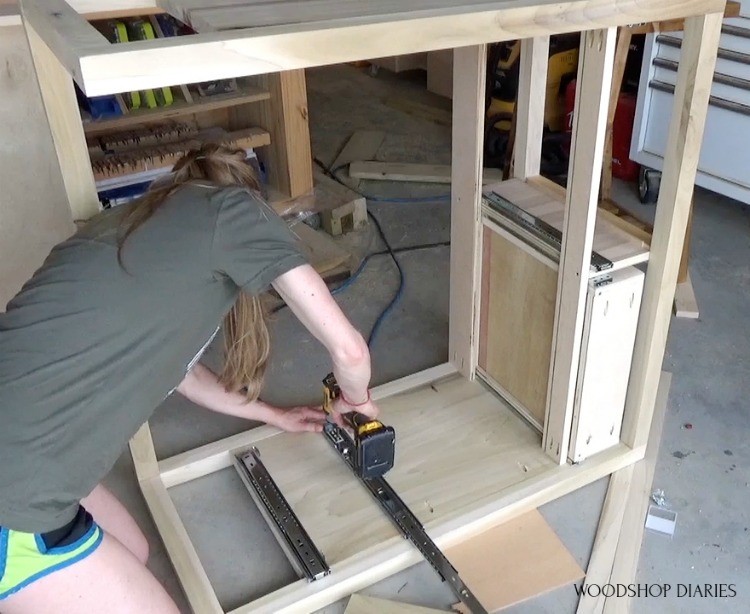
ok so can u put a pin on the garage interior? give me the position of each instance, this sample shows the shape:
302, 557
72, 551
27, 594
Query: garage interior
701, 451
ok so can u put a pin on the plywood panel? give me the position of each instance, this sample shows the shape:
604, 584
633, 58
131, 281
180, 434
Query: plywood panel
361, 604
34, 212
525, 553
457, 446
518, 313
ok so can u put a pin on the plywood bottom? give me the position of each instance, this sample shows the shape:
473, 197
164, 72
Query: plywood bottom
458, 447
465, 463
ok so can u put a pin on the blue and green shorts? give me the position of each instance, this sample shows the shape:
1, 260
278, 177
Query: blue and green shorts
27, 557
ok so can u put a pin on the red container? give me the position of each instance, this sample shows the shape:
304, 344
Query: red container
622, 166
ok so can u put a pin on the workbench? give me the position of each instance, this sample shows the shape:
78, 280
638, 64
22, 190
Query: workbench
476, 461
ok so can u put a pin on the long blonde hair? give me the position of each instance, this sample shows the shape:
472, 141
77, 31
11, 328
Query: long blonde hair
246, 339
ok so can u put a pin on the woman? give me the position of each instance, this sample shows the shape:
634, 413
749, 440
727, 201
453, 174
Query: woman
116, 320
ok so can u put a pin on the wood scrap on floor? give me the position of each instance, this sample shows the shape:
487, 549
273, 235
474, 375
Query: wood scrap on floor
341, 210
685, 303
431, 113
322, 252
403, 171
513, 562
362, 145
360, 604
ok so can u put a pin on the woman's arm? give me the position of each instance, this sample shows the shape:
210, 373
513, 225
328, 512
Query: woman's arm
202, 387
309, 299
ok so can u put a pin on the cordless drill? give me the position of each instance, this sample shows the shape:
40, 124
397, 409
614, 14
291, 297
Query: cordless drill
374, 443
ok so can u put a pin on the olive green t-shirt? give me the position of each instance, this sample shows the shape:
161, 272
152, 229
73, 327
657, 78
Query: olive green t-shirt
88, 349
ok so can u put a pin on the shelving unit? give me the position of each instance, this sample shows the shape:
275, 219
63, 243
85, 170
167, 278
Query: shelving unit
245, 95
162, 156
272, 108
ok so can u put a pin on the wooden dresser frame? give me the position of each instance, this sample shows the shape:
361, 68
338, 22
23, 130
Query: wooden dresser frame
65, 45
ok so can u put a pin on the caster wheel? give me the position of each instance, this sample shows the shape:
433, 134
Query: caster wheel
649, 181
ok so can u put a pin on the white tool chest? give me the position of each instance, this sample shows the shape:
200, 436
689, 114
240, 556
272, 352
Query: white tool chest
724, 162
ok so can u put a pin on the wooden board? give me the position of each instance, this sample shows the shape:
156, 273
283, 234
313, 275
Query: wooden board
611, 241
34, 212
341, 210
529, 111
694, 80
321, 251
61, 107
284, 115
406, 171
513, 562
518, 313
101, 68
579, 222
362, 145
360, 604
469, 78
685, 303
625, 565
617, 545
443, 433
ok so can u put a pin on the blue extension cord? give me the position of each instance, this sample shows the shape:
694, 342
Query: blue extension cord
401, 277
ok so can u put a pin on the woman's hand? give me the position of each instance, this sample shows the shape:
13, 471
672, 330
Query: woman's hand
340, 406
300, 419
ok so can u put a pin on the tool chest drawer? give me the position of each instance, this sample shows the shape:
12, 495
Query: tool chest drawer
724, 158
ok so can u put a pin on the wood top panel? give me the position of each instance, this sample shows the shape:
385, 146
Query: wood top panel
327, 32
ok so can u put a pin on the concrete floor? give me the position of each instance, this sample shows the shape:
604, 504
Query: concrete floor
703, 470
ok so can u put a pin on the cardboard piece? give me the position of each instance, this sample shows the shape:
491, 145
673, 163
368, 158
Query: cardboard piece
360, 604
513, 562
